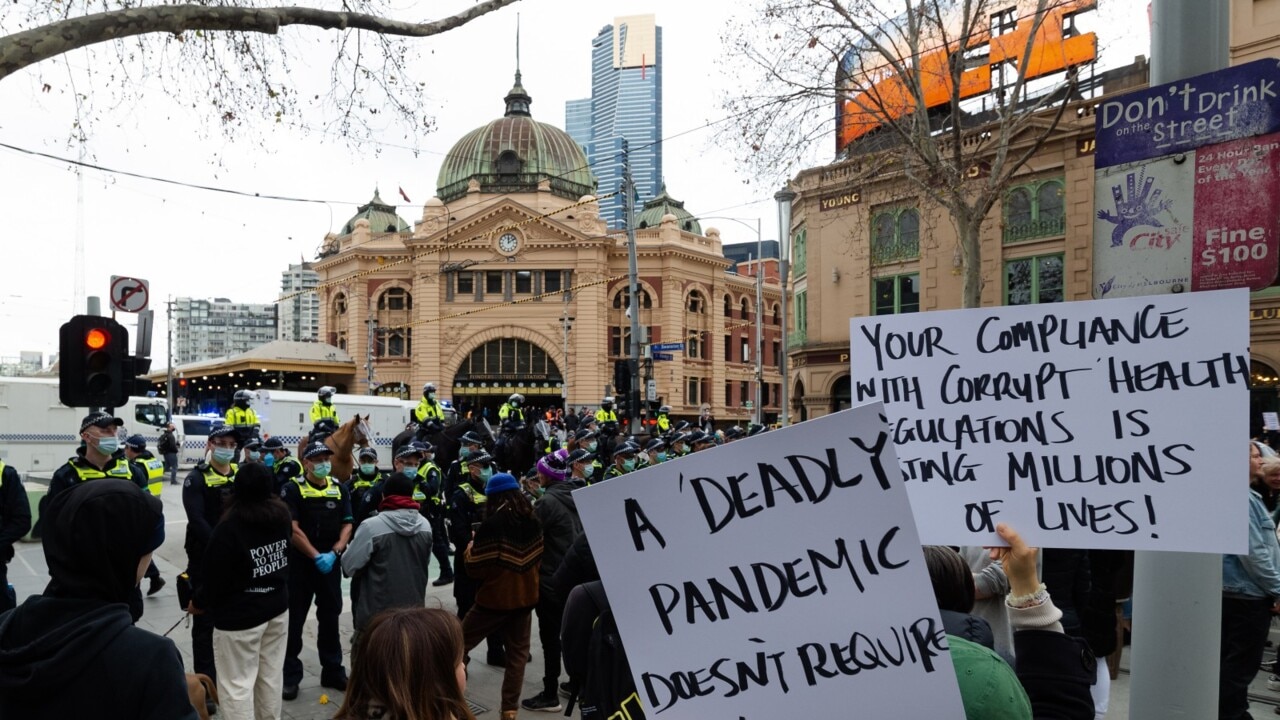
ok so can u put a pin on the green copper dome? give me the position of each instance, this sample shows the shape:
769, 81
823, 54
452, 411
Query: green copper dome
664, 204
513, 154
381, 216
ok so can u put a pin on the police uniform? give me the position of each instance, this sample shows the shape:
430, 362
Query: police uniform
510, 412
154, 468
205, 494
321, 410
464, 505
322, 512
287, 468
244, 420
428, 410
358, 488
15, 521
430, 486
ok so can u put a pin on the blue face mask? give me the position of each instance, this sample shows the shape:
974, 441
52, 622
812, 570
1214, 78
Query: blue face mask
486, 473
255, 455
660, 456
409, 469
629, 465
222, 456
368, 469
108, 445
587, 470
269, 460
465, 452
321, 469
591, 446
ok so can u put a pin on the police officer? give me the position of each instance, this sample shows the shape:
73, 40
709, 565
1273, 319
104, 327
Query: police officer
205, 493
321, 510
366, 476
99, 456
510, 410
699, 440
581, 465
664, 422
253, 450
680, 444
429, 408
733, 433
466, 505
135, 449
469, 445
605, 415
323, 428
15, 521
430, 486
285, 466
624, 460
323, 406
655, 453
242, 418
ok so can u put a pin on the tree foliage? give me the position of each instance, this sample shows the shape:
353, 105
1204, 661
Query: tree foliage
897, 76
230, 58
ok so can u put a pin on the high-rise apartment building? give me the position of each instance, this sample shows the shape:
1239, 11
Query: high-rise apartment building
298, 312
207, 329
625, 104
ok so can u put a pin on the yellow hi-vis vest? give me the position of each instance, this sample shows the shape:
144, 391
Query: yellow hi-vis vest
155, 474
320, 411
213, 479
119, 470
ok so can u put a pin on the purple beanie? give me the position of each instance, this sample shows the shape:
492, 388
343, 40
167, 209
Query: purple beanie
553, 466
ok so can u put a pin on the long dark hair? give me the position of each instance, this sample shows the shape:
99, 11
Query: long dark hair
253, 502
951, 577
406, 662
512, 500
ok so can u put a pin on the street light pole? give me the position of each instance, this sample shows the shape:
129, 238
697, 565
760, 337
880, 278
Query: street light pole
629, 192
784, 198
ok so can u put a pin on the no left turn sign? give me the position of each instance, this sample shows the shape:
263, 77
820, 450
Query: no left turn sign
129, 294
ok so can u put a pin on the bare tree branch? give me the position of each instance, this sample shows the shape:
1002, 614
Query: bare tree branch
28, 47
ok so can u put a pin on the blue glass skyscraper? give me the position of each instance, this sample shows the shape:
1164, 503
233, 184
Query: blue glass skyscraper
625, 103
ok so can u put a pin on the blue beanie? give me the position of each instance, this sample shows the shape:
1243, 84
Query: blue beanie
500, 482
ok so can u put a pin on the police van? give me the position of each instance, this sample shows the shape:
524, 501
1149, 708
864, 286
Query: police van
38, 433
286, 414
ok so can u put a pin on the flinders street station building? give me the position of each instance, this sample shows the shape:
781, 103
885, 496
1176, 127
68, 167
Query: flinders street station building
509, 281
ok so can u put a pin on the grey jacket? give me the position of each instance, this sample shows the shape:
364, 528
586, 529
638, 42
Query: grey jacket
387, 561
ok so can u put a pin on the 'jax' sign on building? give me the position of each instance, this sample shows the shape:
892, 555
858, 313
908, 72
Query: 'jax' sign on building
1186, 184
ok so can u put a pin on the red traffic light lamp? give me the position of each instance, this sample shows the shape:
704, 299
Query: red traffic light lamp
92, 352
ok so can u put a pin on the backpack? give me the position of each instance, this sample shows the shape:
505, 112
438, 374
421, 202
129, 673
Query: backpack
608, 691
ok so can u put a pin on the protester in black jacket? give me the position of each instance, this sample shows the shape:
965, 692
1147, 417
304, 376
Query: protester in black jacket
245, 592
15, 521
73, 651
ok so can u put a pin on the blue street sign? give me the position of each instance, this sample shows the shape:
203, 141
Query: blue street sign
663, 356
667, 347
1238, 102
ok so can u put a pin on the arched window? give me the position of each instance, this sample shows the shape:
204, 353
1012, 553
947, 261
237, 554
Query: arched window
508, 163
338, 322
728, 307
340, 305
1035, 210
394, 334
777, 314
697, 303
509, 360
744, 308
895, 236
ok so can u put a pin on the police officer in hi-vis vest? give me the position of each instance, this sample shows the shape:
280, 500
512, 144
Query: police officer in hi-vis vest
205, 494
99, 456
366, 477
285, 466
321, 510
429, 408
135, 449
242, 418
323, 406
431, 485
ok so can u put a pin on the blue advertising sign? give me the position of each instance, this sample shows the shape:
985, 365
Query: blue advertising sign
1238, 102
667, 347
663, 356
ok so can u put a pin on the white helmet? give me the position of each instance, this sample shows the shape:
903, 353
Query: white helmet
327, 392
607, 401
515, 399
429, 387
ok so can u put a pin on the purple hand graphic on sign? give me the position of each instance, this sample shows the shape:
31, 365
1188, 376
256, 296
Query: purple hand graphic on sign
1140, 209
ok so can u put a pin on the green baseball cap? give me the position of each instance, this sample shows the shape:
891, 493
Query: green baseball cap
988, 686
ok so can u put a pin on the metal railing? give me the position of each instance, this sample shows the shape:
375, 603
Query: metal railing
1043, 227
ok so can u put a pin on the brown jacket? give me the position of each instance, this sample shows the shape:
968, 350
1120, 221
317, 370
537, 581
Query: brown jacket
505, 558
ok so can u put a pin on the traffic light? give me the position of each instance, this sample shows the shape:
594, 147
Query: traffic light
91, 358
621, 380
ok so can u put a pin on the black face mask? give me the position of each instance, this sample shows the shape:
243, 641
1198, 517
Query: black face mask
242, 404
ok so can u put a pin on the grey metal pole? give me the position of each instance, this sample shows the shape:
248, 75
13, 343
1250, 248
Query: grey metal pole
564, 389
759, 399
784, 198
168, 376
1177, 597
368, 356
629, 189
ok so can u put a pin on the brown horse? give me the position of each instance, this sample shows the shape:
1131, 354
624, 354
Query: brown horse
343, 442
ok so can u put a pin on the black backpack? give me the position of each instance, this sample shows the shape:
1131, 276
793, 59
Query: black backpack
608, 689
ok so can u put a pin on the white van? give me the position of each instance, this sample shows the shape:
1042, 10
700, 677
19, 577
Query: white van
287, 415
38, 433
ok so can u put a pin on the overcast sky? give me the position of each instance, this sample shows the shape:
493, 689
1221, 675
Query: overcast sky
189, 242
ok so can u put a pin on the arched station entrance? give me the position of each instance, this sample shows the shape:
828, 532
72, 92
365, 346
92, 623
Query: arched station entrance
498, 368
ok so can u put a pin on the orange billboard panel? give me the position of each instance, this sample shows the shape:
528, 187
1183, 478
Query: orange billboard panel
890, 97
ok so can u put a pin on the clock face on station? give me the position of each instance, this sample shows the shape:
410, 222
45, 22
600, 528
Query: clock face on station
508, 243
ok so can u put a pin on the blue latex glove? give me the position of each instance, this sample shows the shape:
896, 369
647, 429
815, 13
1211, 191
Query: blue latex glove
325, 561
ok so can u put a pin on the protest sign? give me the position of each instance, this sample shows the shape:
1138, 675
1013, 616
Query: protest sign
1099, 424
1270, 421
776, 577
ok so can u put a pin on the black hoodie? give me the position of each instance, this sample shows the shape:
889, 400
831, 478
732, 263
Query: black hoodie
73, 651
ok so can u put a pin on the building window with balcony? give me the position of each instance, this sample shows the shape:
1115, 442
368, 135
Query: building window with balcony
799, 253
1035, 210
897, 294
1032, 280
895, 236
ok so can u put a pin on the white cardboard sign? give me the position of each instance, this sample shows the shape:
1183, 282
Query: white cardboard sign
775, 577
1099, 424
